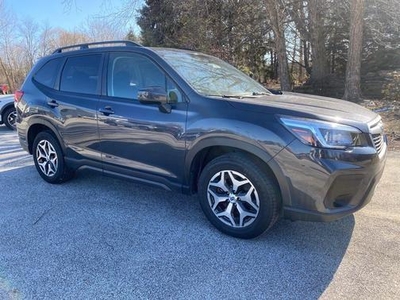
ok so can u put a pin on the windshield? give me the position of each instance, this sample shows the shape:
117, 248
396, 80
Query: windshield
211, 76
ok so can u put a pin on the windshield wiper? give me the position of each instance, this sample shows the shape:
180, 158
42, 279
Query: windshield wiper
232, 96
228, 96
260, 93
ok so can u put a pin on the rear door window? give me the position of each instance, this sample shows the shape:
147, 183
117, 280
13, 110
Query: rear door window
81, 74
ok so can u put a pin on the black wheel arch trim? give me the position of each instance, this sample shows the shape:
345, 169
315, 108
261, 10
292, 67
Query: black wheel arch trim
43, 122
242, 146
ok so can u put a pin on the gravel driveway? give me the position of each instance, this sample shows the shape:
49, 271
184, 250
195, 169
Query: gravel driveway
100, 238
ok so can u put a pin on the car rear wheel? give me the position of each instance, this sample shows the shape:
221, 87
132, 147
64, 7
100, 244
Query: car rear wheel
9, 117
49, 159
238, 197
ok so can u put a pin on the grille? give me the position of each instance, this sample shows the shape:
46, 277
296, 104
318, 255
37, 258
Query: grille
378, 142
377, 134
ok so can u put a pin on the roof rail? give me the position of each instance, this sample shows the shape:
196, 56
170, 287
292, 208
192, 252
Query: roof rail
96, 44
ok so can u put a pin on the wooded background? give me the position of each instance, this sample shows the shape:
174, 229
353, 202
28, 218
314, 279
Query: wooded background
344, 48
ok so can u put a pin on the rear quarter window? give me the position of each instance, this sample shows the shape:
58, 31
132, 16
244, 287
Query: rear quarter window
47, 74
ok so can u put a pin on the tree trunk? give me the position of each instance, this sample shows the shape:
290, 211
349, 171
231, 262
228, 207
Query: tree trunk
301, 62
276, 15
319, 59
353, 68
5, 72
306, 55
293, 57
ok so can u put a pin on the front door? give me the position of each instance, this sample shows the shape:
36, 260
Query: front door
138, 139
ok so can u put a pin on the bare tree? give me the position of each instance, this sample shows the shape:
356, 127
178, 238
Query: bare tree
276, 14
29, 37
10, 52
319, 60
102, 29
353, 68
65, 37
47, 40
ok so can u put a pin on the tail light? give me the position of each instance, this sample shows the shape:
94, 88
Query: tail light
18, 96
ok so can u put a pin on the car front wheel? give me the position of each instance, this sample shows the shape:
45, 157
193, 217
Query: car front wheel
238, 196
49, 159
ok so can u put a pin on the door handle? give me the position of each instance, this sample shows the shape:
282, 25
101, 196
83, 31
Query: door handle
52, 103
107, 110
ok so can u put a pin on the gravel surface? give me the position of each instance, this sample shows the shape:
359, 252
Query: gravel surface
100, 238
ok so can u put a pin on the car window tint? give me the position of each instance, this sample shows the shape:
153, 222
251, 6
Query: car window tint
48, 73
129, 72
81, 74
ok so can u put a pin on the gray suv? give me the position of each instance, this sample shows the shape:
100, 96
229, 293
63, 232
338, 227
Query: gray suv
189, 122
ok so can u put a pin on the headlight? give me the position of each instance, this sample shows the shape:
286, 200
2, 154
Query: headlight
325, 134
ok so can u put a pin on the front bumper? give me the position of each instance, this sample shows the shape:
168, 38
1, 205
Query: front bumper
325, 185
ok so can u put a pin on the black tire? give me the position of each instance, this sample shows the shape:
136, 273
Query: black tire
9, 117
49, 159
236, 215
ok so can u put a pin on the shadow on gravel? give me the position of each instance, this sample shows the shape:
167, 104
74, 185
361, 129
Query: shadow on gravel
98, 237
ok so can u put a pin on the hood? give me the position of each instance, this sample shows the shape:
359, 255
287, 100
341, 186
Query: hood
309, 106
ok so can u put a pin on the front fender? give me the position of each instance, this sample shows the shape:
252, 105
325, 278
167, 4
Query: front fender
251, 147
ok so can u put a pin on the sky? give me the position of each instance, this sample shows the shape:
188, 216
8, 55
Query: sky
66, 14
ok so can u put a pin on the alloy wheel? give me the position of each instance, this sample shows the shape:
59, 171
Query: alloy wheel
11, 118
233, 198
46, 157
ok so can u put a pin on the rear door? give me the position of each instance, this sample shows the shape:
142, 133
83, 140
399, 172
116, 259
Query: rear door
75, 100
138, 139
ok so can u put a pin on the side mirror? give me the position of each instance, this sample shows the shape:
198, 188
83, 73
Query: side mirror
152, 95
155, 95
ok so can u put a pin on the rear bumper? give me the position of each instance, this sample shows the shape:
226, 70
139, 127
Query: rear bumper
329, 185
23, 139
